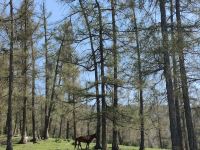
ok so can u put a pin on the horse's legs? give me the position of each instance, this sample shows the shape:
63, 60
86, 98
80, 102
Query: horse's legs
87, 146
80, 145
77, 146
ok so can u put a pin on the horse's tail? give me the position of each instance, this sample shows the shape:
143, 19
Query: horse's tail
75, 143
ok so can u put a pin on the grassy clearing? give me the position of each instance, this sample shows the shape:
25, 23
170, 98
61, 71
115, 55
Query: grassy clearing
55, 144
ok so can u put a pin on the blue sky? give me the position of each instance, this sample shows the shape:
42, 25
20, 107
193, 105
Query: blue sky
57, 9
58, 12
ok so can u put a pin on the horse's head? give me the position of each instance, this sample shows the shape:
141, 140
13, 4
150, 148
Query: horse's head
94, 135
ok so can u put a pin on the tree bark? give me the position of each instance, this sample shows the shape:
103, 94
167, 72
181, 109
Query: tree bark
160, 138
60, 130
186, 100
67, 130
46, 125
51, 102
184, 129
115, 98
169, 85
33, 94
16, 121
101, 48
139, 68
54, 132
98, 126
175, 74
120, 138
24, 74
74, 116
10, 90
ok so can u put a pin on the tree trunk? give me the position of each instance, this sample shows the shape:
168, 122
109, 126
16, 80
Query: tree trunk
184, 129
120, 138
1, 124
160, 138
33, 94
115, 98
67, 130
74, 116
50, 125
20, 126
23, 132
16, 121
51, 103
10, 90
175, 83
54, 132
24, 74
88, 128
61, 122
140, 83
159, 132
169, 85
46, 125
101, 48
186, 100
98, 145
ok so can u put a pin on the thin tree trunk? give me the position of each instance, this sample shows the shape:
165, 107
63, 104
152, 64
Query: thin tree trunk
46, 126
50, 125
175, 83
51, 104
10, 90
115, 98
120, 138
88, 122
88, 128
67, 130
159, 123
33, 94
169, 85
41, 130
1, 119
140, 83
24, 74
61, 122
54, 132
74, 115
23, 132
101, 48
186, 100
20, 125
38, 134
160, 138
159, 132
16, 121
98, 145
184, 129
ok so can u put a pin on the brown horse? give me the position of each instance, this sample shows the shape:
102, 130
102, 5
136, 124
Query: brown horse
85, 139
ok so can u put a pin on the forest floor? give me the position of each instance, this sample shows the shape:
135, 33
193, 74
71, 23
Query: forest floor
54, 144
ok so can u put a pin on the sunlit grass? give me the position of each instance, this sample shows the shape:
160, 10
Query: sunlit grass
55, 144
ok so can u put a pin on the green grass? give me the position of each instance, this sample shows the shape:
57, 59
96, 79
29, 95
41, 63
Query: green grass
53, 144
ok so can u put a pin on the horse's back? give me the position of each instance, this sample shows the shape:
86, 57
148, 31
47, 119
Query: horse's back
82, 139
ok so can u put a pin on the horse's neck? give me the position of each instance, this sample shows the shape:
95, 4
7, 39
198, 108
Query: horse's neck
92, 137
